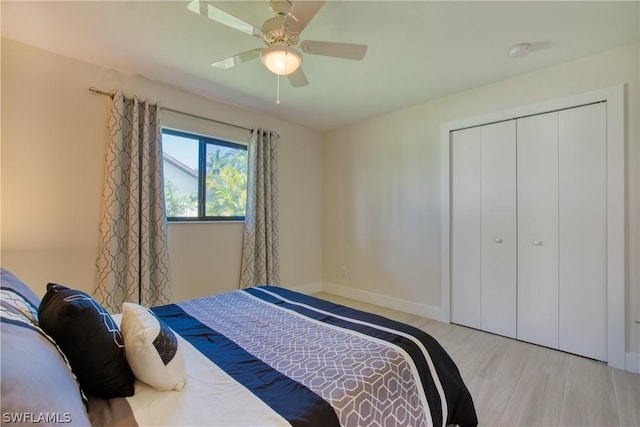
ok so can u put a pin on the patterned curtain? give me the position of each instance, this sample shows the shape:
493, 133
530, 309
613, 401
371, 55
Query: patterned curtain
260, 245
133, 259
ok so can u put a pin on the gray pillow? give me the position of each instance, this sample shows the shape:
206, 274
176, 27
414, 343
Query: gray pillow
37, 384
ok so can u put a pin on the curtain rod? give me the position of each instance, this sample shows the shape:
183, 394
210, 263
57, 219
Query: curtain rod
96, 91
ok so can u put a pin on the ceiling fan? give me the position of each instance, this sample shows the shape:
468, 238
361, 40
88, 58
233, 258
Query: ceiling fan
281, 34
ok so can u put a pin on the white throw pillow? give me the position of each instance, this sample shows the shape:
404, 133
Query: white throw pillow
151, 348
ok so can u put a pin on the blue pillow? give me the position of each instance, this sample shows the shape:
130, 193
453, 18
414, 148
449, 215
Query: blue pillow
90, 339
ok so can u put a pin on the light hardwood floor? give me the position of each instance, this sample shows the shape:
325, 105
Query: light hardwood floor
519, 384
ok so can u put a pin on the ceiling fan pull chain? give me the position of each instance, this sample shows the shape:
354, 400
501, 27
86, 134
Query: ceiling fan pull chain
277, 89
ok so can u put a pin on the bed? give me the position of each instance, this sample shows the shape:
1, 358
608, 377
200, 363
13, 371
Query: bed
263, 356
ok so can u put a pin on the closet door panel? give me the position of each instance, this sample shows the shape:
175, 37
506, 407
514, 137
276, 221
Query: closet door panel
498, 225
583, 231
537, 154
465, 227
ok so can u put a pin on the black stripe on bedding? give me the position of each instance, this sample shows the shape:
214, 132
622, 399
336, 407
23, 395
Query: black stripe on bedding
293, 401
459, 402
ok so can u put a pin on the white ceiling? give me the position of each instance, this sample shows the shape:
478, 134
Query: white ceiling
418, 50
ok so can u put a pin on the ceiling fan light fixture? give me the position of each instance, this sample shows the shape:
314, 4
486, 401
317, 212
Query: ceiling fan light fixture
281, 60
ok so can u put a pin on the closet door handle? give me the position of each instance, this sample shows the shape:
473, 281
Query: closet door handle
498, 240
537, 242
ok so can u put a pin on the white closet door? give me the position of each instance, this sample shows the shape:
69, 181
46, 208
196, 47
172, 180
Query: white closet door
583, 231
465, 227
498, 225
537, 153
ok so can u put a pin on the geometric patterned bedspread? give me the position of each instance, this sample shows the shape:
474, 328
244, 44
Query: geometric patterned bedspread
319, 363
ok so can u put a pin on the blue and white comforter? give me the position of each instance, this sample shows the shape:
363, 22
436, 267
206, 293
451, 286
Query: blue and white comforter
302, 361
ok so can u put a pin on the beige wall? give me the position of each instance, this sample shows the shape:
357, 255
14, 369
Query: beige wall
381, 204
375, 230
53, 148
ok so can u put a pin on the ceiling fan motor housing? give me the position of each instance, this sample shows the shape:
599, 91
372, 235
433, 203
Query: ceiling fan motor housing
275, 33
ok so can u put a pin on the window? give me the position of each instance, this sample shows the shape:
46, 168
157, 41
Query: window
205, 179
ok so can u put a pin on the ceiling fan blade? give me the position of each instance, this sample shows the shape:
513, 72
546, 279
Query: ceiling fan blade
234, 60
206, 8
298, 79
300, 14
338, 50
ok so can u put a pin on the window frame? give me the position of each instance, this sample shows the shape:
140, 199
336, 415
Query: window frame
203, 141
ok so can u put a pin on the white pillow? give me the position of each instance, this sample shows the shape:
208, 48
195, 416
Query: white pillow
151, 348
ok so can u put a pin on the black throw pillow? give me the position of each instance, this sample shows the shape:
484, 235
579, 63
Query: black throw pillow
90, 339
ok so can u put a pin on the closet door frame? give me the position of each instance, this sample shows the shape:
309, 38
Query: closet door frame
616, 277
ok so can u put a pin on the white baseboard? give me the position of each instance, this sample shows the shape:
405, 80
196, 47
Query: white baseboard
384, 301
633, 362
309, 288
